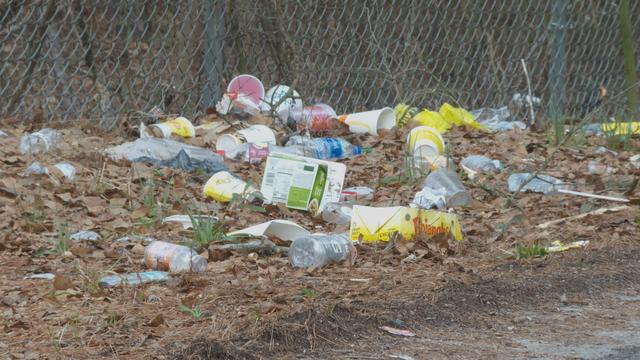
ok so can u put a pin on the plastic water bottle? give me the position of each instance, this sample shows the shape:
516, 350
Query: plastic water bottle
39, 141
318, 250
133, 279
326, 148
175, 258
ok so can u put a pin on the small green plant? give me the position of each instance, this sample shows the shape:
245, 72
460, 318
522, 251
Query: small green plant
532, 251
206, 229
154, 208
112, 319
59, 245
244, 201
308, 293
195, 311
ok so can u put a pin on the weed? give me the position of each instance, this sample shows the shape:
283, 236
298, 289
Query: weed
59, 245
532, 251
194, 312
206, 229
154, 208
308, 293
113, 319
245, 200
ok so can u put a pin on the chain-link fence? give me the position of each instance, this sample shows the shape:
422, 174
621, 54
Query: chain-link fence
100, 59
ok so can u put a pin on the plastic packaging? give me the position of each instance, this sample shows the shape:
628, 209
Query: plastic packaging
497, 119
39, 142
174, 258
85, 235
541, 183
133, 279
326, 148
182, 161
356, 193
338, 213
316, 118
67, 170
446, 183
318, 250
474, 164
159, 149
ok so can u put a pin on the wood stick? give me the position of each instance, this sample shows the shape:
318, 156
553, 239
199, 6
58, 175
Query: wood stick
580, 216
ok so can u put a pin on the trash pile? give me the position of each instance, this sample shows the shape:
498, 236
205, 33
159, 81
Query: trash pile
271, 180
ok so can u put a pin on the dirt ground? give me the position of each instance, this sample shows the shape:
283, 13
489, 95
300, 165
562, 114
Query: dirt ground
472, 301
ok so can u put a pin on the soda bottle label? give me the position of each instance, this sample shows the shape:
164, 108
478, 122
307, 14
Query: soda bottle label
334, 146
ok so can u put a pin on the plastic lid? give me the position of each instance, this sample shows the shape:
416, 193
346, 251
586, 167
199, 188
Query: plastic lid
357, 150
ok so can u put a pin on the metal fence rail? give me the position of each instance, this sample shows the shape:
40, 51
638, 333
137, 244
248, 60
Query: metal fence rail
100, 59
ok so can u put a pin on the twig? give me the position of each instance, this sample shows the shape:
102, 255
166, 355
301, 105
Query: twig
530, 98
594, 196
580, 216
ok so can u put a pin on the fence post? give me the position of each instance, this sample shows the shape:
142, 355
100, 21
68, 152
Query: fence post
213, 53
557, 73
630, 76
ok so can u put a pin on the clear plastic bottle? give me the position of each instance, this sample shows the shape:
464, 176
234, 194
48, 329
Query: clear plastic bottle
133, 279
175, 258
338, 213
326, 148
39, 141
474, 164
241, 152
318, 250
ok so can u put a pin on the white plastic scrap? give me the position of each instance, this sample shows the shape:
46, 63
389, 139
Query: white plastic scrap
85, 235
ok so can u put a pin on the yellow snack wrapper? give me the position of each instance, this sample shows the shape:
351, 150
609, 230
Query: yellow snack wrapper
459, 116
379, 224
433, 119
621, 128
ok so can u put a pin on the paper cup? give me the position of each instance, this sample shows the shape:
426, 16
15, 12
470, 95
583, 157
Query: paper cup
426, 145
289, 106
180, 126
248, 86
256, 134
222, 185
370, 121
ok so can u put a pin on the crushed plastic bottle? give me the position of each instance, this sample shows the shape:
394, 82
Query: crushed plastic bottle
497, 119
541, 183
443, 182
318, 250
39, 142
474, 164
338, 213
133, 279
326, 148
243, 152
67, 170
316, 118
174, 258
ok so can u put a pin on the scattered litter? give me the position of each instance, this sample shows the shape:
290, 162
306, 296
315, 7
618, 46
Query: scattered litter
318, 250
222, 186
521, 100
498, 119
380, 223
3, 134
68, 171
174, 258
39, 142
540, 183
357, 193
595, 167
179, 126
358, 280
474, 164
409, 259
316, 118
45, 276
425, 145
326, 148
133, 279
256, 134
338, 213
281, 229
635, 161
263, 247
182, 161
442, 183
302, 183
287, 102
159, 149
242, 97
558, 246
622, 128
85, 235
370, 121
604, 150
185, 220
399, 332
459, 117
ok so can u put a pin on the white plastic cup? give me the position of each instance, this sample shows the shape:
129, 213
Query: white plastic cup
370, 121
248, 86
256, 134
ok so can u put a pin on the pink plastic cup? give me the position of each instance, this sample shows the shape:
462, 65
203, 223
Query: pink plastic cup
247, 85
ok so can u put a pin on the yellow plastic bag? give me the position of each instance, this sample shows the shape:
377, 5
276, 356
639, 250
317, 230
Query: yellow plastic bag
459, 116
621, 128
433, 119
404, 113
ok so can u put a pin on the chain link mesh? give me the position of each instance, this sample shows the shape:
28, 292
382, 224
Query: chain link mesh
100, 59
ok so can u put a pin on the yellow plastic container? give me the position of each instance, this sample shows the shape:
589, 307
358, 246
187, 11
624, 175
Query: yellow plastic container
222, 185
